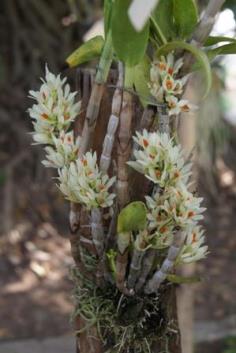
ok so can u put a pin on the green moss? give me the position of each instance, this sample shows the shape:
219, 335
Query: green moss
124, 324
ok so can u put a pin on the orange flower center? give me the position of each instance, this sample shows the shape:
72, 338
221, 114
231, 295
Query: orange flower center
145, 142
176, 174
44, 116
162, 66
185, 108
163, 229
190, 214
194, 238
66, 116
172, 105
169, 84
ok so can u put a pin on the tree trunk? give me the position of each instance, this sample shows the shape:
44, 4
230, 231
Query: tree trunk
91, 337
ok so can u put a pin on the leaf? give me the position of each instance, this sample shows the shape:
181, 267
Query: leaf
107, 9
111, 257
132, 218
139, 77
183, 280
222, 50
163, 15
186, 17
129, 45
123, 241
86, 52
200, 56
218, 39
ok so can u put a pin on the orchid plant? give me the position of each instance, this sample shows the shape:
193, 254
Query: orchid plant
137, 241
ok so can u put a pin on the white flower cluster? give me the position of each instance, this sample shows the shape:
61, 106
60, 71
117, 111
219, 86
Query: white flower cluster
166, 88
54, 111
160, 159
82, 182
63, 151
173, 205
55, 108
194, 248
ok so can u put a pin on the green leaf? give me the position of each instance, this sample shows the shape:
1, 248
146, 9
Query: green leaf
218, 39
111, 257
140, 76
141, 79
123, 241
186, 17
163, 15
86, 52
129, 45
132, 218
107, 9
222, 50
183, 280
200, 56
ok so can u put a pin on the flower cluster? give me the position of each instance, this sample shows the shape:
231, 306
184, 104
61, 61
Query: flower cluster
172, 206
64, 150
166, 88
194, 248
54, 110
82, 182
79, 179
160, 159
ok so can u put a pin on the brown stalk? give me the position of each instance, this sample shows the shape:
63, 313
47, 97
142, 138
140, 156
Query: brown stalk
93, 111
123, 196
161, 274
124, 149
146, 268
203, 29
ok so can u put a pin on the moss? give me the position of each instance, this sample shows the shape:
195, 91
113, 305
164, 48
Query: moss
124, 324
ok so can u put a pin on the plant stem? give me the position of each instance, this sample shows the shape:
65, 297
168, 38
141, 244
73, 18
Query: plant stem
158, 30
96, 96
164, 120
109, 139
161, 274
207, 21
92, 114
124, 149
203, 30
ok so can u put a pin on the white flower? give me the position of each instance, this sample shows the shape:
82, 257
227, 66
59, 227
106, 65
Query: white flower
194, 248
159, 159
163, 237
172, 86
183, 206
175, 206
42, 134
177, 106
82, 182
166, 88
55, 106
157, 216
167, 66
63, 152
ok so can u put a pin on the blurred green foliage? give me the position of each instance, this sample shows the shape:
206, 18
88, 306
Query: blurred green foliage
230, 345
